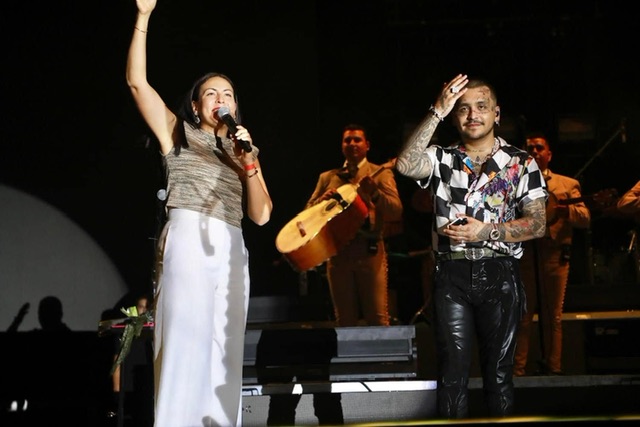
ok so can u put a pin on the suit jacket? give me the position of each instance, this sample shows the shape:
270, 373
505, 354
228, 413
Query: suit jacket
563, 187
629, 203
386, 213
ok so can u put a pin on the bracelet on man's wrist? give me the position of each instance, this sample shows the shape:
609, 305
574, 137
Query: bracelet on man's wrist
142, 31
249, 166
437, 115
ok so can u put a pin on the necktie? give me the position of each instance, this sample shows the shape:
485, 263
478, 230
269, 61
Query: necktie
353, 170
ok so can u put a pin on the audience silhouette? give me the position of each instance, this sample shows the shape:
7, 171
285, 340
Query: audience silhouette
50, 315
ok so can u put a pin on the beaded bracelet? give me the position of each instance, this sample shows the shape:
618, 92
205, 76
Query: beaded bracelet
253, 174
249, 166
433, 111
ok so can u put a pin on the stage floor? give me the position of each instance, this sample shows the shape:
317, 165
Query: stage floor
577, 399
602, 381
382, 375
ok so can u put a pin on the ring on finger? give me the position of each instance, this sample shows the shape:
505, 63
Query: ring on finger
454, 89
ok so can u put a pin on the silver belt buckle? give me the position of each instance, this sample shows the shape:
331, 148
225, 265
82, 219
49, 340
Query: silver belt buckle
474, 254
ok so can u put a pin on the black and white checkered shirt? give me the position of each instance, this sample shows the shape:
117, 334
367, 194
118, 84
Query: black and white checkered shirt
510, 179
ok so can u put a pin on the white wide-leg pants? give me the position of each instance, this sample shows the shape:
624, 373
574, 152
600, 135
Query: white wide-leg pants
201, 307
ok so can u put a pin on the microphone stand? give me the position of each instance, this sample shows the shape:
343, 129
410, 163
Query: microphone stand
121, 396
542, 364
620, 131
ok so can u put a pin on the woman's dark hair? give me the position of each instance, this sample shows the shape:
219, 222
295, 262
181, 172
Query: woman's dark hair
185, 110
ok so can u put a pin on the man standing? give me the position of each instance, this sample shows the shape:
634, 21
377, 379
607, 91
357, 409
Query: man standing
545, 263
497, 194
357, 274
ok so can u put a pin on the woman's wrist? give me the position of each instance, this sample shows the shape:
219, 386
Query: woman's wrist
142, 22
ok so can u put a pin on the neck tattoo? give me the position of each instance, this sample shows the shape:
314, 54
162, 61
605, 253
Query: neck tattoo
483, 155
488, 148
474, 150
478, 160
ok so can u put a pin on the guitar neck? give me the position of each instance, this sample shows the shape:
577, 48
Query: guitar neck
574, 200
604, 198
388, 165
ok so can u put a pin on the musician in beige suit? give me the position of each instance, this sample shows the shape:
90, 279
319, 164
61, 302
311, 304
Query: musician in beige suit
629, 203
357, 275
545, 285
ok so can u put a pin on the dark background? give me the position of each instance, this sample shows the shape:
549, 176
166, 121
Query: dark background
71, 135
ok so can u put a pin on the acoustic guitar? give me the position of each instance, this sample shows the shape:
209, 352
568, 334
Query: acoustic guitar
596, 201
320, 231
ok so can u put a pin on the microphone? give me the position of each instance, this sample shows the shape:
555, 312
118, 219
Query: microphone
225, 115
623, 131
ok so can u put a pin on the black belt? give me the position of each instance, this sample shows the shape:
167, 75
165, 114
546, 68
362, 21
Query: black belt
471, 254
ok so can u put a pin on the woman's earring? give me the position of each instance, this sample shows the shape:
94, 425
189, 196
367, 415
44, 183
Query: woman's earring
497, 123
197, 118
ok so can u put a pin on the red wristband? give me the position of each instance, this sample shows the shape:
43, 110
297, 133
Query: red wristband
249, 166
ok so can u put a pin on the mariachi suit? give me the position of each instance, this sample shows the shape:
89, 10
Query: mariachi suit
629, 203
357, 275
551, 255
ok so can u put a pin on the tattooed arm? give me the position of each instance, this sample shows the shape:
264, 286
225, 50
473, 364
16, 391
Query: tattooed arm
412, 161
530, 226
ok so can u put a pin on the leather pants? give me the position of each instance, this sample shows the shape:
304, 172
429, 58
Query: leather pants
479, 301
